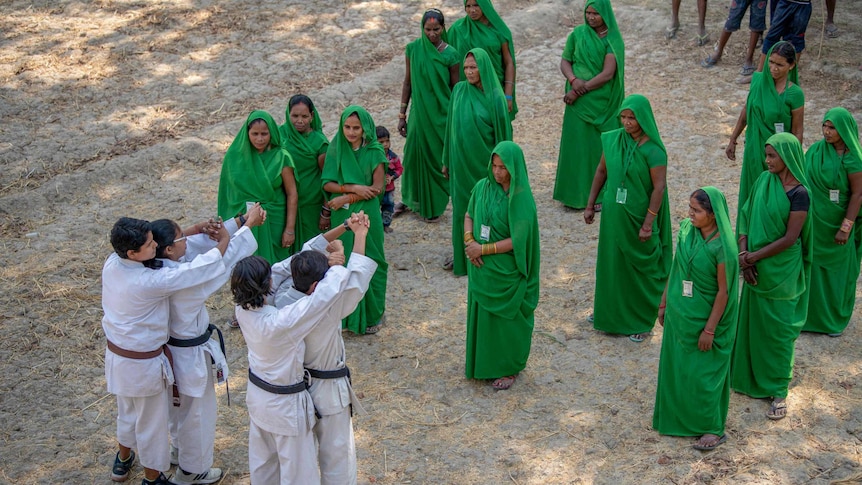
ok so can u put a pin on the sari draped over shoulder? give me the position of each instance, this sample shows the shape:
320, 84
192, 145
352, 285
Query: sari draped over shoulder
478, 121
592, 114
765, 110
835, 268
304, 149
693, 389
467, 34
249, 176
772, 312
344, 165
630, 274
503, 294
423, 186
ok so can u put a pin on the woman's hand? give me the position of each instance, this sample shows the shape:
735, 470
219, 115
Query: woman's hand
323, 223
287, 238
579, 87
704, 343
255, 216
645, 234
661, 310
445, 171
841, 237
402, 128
749, 274
365, 192
730, 151
509, 103
745, 261
570, 97
337, 202
590, 214
474, 253
336, 253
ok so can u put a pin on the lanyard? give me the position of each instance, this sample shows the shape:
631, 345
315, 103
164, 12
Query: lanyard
697, 246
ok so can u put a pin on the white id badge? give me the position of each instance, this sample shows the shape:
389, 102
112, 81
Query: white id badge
485, 233
219, 374
345, 206
779, 127
687, 287
622, 192
834, 195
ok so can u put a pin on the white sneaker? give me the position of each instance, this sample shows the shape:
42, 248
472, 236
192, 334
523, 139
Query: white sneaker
175, 455
182, 478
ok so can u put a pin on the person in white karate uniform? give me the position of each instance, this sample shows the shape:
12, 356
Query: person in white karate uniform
330, 388
281, 412
192, 424
137, 364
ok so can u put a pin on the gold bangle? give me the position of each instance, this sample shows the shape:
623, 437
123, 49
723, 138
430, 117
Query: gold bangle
651, 212
495, 248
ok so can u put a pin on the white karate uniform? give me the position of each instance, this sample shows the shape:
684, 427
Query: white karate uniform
281, 443
193, 422
324, 350
135, 302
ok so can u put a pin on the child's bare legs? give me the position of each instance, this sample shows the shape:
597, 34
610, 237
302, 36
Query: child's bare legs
753, 37
830, 27
670, 32
701, 21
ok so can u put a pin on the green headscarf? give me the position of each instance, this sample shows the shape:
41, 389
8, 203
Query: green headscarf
467, 34
765, 104
847, 129
357, 168
728, 244
642, 109
763, 220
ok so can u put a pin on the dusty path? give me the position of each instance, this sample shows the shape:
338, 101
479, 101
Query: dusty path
114, 108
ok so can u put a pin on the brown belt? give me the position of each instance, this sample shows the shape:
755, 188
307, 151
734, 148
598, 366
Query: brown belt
131, 354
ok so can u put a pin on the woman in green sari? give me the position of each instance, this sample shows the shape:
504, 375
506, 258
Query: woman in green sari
501, 237
432, 71
483, 28
634, 253
775, 250
353, 178
593, 64
257, 169
775, 104
303, 138
477, 122
834, 168
699, 311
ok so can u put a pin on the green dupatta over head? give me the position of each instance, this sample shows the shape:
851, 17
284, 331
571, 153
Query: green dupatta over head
763, 109
424, 188
304, 149
467, 34
593, 108
693, 388
835, 270
344, 165
502, 295
785, 275
249, 176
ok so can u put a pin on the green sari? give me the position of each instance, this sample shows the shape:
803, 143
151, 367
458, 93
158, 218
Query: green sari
424, 188
592, 114
502, 295
304, 149
772, 313
693, 389
765, 108
347, 166
478, 121
249, 176
630, 274
835, 268
467, 34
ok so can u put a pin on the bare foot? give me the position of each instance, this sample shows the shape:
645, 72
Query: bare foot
503, 383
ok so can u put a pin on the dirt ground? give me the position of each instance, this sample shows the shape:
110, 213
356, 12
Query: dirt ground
113, 108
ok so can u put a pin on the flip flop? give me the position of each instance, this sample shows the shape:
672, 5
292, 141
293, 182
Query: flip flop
503, 383
832, 31
400, 208
232, 323
709, 61
773, 410
638, 337
591, 318
716, 444
702, 40
670, 32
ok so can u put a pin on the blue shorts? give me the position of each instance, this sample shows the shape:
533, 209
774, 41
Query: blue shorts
756, 16
789, 23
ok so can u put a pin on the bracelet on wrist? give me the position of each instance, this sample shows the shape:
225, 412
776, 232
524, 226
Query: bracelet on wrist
242, 220
708, 332
508, 97
652, 212
402, 116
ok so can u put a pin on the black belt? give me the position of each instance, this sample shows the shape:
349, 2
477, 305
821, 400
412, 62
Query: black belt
329, 374
200, 340
266, 386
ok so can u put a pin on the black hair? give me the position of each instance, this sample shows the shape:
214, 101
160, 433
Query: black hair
251, 282
254, 121
307, 268
702, 198
129, 235
300, 99
164, 233
433, 13
785, 50
382, 132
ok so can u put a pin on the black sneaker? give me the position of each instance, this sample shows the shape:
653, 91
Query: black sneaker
120, 470
161, 480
